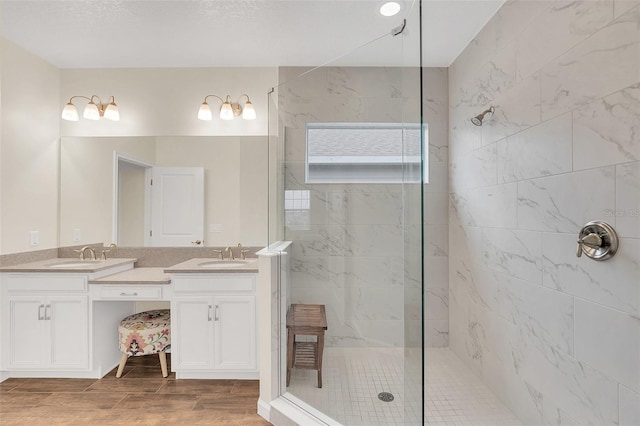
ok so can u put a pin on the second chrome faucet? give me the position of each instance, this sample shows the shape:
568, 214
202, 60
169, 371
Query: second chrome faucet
230, 254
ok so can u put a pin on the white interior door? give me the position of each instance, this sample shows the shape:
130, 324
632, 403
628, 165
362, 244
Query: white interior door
177, 207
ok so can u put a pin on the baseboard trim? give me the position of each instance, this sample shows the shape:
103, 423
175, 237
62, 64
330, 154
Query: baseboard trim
264, 409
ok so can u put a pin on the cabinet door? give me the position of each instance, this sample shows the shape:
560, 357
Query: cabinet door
68, 318
235, 331
26, 322
192, 334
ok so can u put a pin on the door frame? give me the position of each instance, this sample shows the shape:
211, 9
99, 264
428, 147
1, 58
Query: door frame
148, 167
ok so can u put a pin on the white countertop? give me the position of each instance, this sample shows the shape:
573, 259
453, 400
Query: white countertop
80, 266
249, 265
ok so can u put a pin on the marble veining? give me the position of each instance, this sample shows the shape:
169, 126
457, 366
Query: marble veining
627, 212
605, 131
517, 110
566, 23
586, 392
547, 204
539, 151
544, 313
616, 286
612, 51
517, 253
608, 340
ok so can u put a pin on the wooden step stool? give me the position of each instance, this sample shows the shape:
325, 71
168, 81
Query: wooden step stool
305, 320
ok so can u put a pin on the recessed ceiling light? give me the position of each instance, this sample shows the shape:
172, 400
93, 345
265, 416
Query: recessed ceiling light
389, 9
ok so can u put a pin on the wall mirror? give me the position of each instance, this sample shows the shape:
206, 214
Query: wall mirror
105, 195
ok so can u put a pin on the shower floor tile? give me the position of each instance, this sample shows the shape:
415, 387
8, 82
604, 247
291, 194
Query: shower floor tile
353, 378
454, 395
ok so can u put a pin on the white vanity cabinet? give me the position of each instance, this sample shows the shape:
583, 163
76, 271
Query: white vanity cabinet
45, 322
213, 325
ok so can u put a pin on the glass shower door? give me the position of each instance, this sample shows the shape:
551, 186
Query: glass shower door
346, 152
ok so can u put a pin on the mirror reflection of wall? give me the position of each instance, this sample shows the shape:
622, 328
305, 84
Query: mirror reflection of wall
131, 204
235, 206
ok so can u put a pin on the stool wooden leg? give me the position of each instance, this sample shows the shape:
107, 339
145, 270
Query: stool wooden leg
319, 350
163, 363
123, 361
290, 338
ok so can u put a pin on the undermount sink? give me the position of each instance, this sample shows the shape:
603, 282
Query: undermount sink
74, 264
222, 264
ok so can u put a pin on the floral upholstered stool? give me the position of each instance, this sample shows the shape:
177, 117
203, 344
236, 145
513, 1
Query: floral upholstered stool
145, 333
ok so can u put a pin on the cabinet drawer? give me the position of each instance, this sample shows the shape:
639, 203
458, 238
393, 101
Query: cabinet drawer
216, 285
130, 293
48, 283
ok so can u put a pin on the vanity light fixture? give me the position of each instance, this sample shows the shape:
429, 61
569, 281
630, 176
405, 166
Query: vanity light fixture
229, 109
93, 110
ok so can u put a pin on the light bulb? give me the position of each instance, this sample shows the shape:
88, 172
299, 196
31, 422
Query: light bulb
389, 9
70, 113
226, 111
204, 113
112, 113
91, 111
248, 112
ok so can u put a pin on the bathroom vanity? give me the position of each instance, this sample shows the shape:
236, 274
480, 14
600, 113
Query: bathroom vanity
213, 324
60, 317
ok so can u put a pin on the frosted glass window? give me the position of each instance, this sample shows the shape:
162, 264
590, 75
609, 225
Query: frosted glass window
364, 152
296, 209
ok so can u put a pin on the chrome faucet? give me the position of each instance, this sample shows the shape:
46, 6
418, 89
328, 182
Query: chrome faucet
219, 254
92, 253
228, 249
243, 252
103, 256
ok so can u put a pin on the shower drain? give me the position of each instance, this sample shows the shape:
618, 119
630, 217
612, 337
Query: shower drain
385, 396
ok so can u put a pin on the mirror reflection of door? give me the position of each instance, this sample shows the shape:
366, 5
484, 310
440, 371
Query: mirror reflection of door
132, 203
158, 206
177, 207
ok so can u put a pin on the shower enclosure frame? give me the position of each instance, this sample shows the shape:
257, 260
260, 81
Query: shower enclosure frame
275, 272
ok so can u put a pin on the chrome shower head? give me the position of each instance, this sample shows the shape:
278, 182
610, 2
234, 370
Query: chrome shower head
484, 115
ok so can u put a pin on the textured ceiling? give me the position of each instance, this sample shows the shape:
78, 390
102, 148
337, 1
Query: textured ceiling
224, 33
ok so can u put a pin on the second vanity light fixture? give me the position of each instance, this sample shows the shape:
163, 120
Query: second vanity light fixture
93, 110
228, 110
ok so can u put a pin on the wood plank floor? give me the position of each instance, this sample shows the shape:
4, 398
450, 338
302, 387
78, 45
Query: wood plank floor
141, 397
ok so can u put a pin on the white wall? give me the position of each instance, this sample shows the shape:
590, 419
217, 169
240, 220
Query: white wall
28, 150
555, 336
165, 101
131, 205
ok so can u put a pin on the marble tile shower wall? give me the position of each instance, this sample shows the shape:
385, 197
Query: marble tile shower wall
348, 247
435, 110
555, 336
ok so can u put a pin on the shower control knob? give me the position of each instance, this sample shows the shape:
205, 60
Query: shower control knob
592, 241
597, 240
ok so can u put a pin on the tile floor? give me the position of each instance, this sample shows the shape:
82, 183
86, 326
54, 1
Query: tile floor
455, 396
353, 377
140, 397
